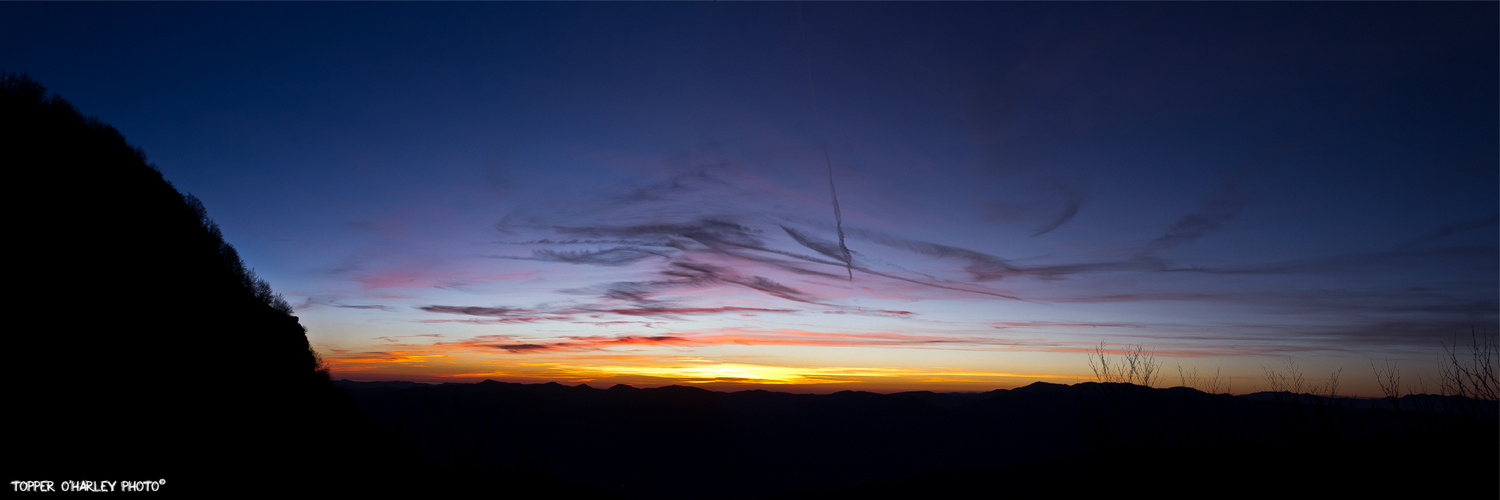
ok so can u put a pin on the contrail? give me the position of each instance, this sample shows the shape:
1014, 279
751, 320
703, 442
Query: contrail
838, 217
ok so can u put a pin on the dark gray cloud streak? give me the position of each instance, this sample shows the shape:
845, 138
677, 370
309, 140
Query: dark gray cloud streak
333, 302
1213, 212
1069, 210
568, 313
613, 257
1042, 215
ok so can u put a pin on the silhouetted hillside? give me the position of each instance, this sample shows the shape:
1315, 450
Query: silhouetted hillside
142, 348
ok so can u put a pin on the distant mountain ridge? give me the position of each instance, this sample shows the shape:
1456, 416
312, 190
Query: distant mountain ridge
689, 442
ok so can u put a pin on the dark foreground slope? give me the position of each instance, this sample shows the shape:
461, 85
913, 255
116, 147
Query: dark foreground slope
140, 347
1038, 441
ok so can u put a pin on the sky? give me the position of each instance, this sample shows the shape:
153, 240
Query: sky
814, 197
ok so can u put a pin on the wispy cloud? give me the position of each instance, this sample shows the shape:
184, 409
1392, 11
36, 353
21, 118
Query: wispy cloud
333, 302
1058, 205
1213, 212
567, 314
615, 256
495, 312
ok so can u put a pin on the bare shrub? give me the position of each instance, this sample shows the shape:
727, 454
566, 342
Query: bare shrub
1306, 411
1290, 379
1218, 384
1124, 414
1135, 365
1389, 378
1468, 377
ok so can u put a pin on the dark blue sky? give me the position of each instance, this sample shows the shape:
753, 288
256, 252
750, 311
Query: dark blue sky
639, 192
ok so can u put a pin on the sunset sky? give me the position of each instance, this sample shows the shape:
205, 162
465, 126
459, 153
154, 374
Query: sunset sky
640, 193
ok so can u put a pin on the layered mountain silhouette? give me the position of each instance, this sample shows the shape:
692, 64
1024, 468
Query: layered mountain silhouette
1038, 441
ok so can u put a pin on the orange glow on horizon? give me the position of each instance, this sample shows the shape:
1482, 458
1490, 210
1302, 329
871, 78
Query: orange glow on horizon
655, 371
